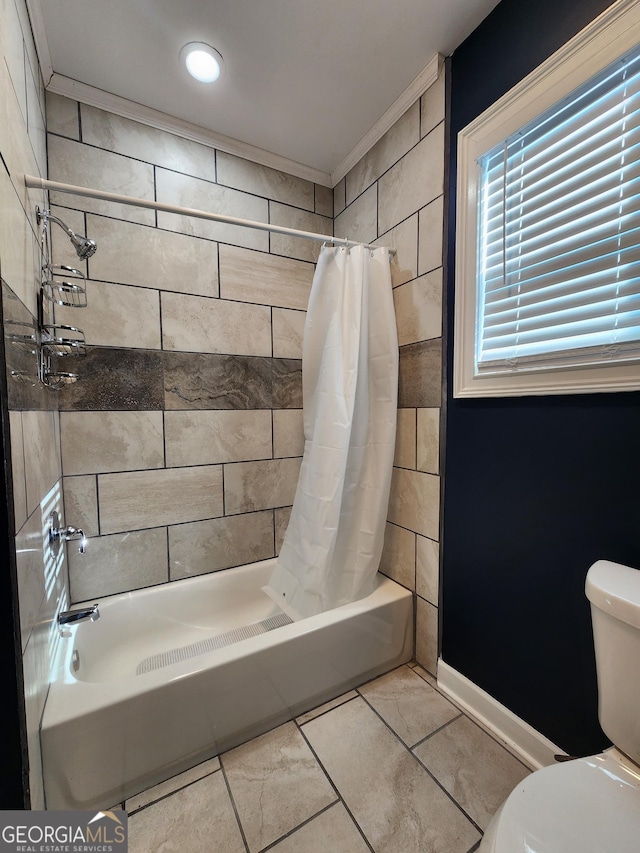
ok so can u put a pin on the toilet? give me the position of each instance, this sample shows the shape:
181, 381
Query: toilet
590, 805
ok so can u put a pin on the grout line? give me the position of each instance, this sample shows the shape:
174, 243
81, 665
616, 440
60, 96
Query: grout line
408, 588
273, 522
435, 731
168, 555
233, 805
432, 680
388, 725
214, 182
469, 716
155, 194
218, 295
326, 711
165, 229
377, 185
426, 769
299, 826
164, 438
97, 479
273, 437
388, 169
161, 341
417, 255
447, 793
376, 677
331, 782
170, 793
491, 734
271, 307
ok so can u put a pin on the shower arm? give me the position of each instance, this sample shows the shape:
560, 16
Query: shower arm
56, 186
84, 247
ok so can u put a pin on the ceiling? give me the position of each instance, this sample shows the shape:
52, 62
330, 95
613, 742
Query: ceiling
304, 79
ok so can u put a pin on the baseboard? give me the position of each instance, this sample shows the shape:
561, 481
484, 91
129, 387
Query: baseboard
533, 748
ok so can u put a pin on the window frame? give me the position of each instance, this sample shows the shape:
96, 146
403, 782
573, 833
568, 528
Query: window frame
612, 34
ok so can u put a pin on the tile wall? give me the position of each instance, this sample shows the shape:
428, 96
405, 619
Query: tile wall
181, 444
192, 383
33, 421
394, 197
182, 441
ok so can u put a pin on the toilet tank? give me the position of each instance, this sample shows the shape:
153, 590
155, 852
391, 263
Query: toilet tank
614, 593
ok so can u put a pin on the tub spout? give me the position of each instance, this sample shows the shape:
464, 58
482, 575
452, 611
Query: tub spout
83, 614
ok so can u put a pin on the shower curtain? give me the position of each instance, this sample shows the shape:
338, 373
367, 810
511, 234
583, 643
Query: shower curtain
333, 544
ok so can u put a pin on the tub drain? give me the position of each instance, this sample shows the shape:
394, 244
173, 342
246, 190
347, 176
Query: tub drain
211, 643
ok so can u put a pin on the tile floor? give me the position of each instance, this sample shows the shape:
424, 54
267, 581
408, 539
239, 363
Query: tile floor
393, 767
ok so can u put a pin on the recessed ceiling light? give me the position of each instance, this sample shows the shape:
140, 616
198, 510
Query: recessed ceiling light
203, 61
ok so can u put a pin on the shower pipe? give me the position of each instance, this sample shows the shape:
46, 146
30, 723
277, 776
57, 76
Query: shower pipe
44, 184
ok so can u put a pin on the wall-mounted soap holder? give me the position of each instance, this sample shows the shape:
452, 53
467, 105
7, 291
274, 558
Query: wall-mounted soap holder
59, 291
60, 285
22, 335
62, 341
53, 378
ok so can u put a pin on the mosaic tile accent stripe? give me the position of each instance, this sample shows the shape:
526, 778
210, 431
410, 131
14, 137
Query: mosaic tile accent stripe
117, 379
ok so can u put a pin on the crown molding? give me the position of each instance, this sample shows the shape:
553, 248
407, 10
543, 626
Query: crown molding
93, 97
34, 9
414, 90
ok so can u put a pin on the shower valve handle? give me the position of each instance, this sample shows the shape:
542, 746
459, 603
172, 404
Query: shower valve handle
59, 534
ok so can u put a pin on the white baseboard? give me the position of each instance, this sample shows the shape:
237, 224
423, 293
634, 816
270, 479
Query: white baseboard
533, 748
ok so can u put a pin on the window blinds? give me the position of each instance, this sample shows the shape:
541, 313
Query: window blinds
559, 241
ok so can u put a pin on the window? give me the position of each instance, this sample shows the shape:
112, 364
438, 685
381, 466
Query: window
548, 281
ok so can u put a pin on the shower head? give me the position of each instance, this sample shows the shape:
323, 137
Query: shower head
83, 245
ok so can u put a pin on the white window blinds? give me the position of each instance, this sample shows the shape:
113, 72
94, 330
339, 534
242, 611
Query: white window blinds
559, 233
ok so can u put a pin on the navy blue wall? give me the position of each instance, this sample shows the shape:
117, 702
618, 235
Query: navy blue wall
535, 488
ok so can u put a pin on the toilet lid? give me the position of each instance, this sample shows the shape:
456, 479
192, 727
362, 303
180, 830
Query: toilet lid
591, 805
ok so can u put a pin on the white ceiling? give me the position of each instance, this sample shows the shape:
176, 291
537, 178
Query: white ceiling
304, 79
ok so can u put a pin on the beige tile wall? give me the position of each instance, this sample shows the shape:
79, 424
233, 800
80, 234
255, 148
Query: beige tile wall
172, 283
166, 494
394, 197
33, 425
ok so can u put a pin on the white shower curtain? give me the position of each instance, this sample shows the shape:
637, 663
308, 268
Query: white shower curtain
332, 547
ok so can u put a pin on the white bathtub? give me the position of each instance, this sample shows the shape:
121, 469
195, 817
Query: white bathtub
108, 733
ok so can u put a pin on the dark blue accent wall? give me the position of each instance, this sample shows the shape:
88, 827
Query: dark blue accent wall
536, 489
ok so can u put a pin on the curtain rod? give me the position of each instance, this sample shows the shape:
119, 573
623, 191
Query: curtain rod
44, 184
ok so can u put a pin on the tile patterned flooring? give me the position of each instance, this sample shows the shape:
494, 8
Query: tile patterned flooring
393, 767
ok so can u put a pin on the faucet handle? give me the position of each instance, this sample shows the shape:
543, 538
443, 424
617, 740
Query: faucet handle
69, 533
59, 534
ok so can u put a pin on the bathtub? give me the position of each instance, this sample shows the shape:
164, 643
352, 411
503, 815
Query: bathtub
170, 676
